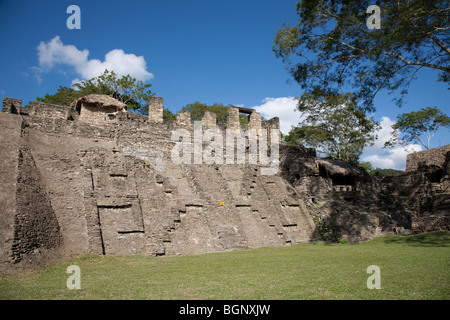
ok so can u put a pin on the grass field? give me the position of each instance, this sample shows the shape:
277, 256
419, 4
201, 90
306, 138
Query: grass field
412, 267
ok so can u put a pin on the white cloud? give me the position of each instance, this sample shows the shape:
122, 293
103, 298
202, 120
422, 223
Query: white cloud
379, 157
283, 108
55, 52
392, 158
384, 134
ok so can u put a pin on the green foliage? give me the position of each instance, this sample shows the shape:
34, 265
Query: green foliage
321, 226
367, 166
385, 172
291, 139
126, 89
331, 46
418, 126
333, 125
64, 96
168, 115
379, 172
198, 109
135, 94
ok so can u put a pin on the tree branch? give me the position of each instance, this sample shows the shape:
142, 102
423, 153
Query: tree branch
417, 63
384, 81
420, 140
396, 55
440, 44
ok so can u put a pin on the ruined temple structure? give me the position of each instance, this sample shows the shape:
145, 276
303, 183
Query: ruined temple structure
97, 108
94, 178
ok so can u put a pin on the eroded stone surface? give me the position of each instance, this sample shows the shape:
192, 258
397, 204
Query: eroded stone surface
111, 187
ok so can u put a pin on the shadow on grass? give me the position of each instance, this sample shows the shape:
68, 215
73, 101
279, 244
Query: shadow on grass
432, 239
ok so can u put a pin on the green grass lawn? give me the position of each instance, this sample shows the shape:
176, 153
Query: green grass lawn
412, 267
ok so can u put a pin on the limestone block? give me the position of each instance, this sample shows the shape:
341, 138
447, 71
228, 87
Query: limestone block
435, 156
255, 121
183, 119
49, 111
155, 109
233, 118
209, 120
11, 105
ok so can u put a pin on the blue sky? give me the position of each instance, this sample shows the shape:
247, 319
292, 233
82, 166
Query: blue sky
192, 50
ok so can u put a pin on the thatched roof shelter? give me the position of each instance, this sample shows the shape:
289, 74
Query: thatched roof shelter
336, 167
100, 101
98, 108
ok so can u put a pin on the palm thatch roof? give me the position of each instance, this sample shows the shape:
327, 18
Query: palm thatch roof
339, 167
100, 101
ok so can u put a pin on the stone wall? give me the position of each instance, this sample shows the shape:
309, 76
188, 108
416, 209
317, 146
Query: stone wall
255, 121
94, 114
49, 111
233, 122
114, 189
209, 120
10, 142
420, 200
11, 105
35, 223
183, 119
435, 156
155, 109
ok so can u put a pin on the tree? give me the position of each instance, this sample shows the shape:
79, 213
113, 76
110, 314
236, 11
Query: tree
385, 172
418, 126
332, 46
333, 125
198, 109
378, 172
135, 94
126, 89
367, 166
64, 96
167, 115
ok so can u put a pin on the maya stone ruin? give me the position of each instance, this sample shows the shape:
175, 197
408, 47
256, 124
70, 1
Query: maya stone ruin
94, 178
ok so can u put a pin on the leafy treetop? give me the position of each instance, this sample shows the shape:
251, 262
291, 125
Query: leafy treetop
135, 94
418, 126
332, 46
333, 125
